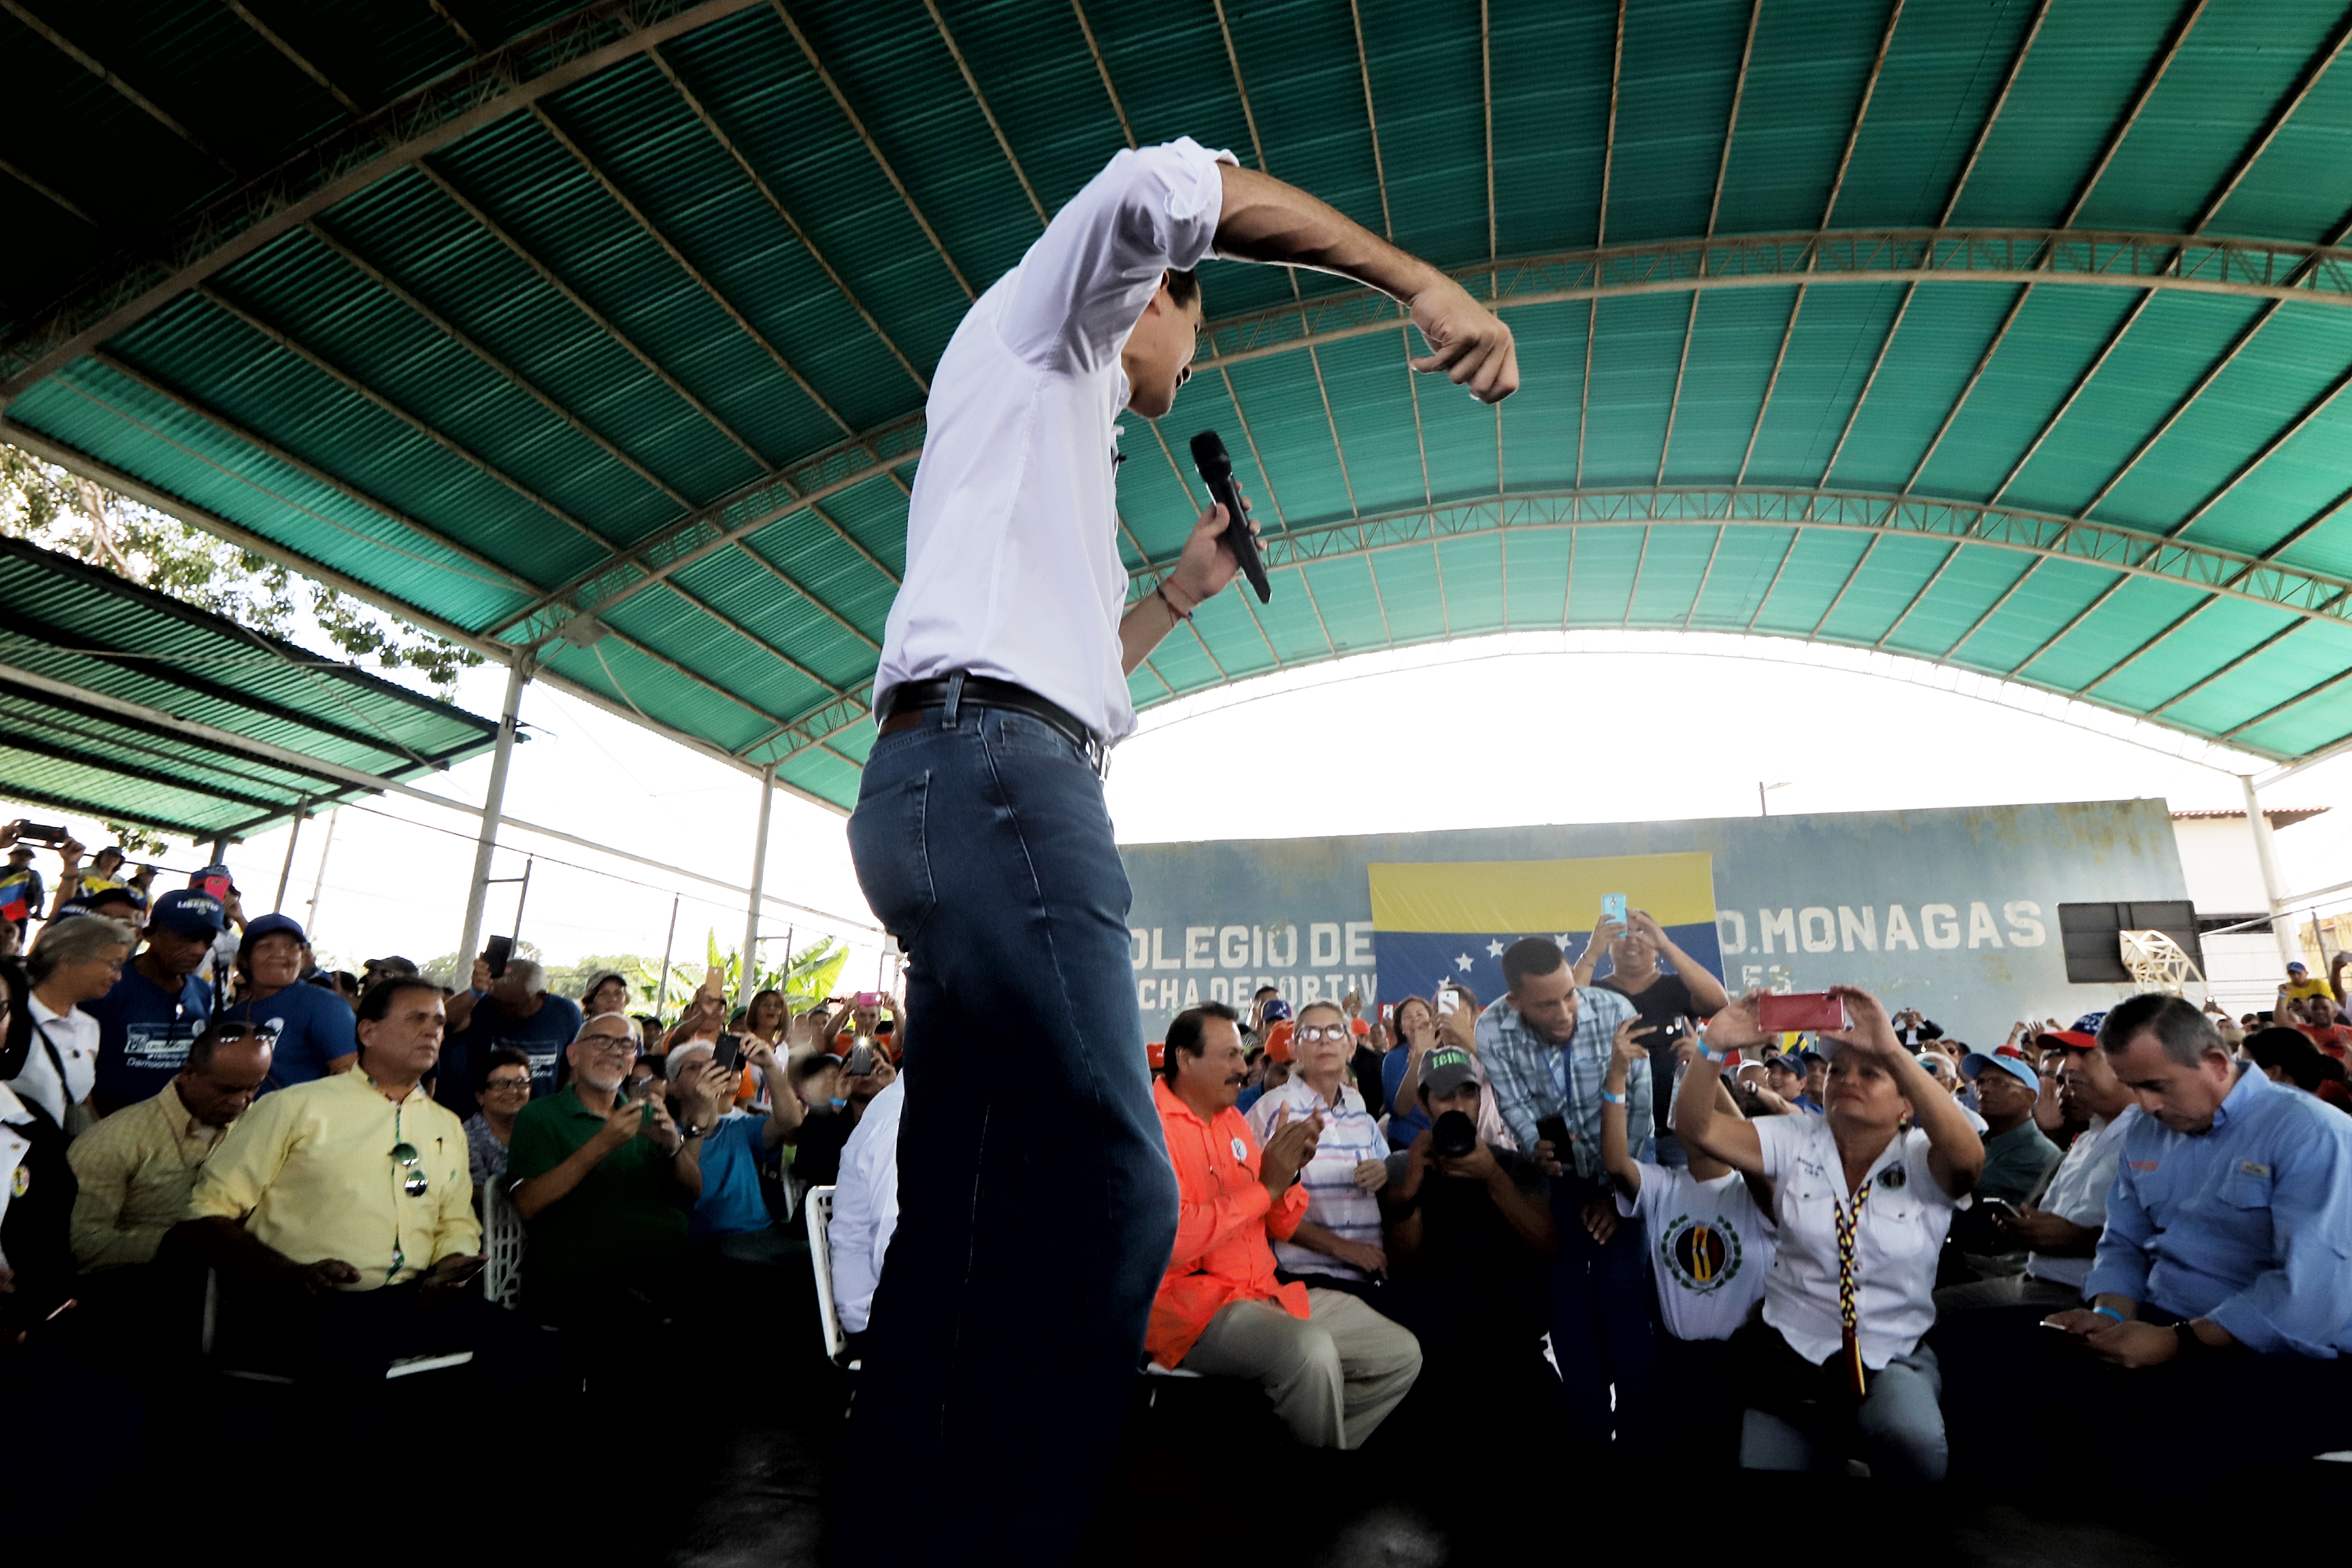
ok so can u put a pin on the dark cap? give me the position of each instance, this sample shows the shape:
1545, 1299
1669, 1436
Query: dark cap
1445, 1070
190, 913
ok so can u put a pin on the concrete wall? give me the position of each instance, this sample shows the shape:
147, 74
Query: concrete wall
1950, 911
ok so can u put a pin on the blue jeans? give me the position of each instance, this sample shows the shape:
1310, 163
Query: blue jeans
1036, 1202
1602, 1304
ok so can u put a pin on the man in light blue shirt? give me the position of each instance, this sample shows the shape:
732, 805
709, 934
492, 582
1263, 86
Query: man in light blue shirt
2219, 1287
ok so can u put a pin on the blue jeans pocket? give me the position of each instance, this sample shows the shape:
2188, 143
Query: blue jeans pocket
887, 842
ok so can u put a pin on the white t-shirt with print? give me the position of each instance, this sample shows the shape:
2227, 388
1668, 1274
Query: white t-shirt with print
1710, 1248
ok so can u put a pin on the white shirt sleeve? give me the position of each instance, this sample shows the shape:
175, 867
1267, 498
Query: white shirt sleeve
1778, 1137
1645, 1197
1916, 1147
1076, 295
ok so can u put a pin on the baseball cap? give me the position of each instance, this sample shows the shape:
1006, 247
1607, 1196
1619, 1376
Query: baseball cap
189, 912
2297, 969
1276, 1009
1445, 1070
2089, 1022
218, 869
394, 963
1359, 1027
15, 850
1277, 1041
2005, 1058
1812, 1058
2072, 1039
270, 925
1155, 1053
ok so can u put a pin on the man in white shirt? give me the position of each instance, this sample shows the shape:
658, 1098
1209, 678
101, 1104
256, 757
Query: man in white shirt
865, 1211
982, 844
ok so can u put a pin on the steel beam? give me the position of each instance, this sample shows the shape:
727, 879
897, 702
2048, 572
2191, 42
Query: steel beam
1992, 113
351, 159
2315, 68
1860, 110
123, 90
2181, 28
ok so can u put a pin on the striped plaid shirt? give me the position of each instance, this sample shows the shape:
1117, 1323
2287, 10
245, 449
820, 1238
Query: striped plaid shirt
1535, 1078
1334, 1201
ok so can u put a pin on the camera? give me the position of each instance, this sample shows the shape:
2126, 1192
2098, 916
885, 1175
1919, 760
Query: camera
1452, 1136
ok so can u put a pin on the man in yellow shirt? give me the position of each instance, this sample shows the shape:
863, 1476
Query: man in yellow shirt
340, 1211
138, 1167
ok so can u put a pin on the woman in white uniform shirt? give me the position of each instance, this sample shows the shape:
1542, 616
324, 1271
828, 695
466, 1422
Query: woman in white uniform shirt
1861, 1207
78, 960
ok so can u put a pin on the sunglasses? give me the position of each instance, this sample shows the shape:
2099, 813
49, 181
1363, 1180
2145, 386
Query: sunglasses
405, 1155
509, 1084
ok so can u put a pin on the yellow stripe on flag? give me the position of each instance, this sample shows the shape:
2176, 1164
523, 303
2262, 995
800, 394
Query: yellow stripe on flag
1540, 895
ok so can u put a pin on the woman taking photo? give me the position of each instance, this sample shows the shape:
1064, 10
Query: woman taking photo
1419, 1030
314, 1028
768, 1018
1861, 1207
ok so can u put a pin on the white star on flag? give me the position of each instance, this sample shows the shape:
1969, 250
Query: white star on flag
1463, 960
1494, 949
1560, 941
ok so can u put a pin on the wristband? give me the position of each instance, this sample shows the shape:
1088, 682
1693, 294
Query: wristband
2110, 1312
1180, 615
1612, 1099
1714, 1056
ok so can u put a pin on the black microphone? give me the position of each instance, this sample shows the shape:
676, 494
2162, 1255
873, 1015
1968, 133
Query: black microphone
1217, 473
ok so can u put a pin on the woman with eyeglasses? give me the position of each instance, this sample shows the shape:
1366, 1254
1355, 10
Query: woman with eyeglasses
1339, 1243
313, 1026
503, 1091
75, 961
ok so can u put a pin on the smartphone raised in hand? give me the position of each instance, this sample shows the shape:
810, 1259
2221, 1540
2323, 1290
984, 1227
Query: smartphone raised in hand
1613, 907
497, 950
1449, 1001
1780, 1014
729, 1052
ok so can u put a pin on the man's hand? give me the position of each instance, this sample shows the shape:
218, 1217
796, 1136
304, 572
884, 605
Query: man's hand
326, 1274
1288, 1146
69, 854
707, 1089
1601, 1216
2131, 1345
626, 1121
1418, 1163
662, 1130
479, 980
1372, 1175
1208, 563
1478, 1164
1469, 342
1361, 1255
450, 1275
1459, 1027
762, 1056
1545, 1155
2045, 1232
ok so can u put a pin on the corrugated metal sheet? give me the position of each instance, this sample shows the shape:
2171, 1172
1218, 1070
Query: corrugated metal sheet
698, 329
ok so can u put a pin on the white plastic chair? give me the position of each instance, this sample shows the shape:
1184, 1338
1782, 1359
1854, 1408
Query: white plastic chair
504, 1238
818, 1206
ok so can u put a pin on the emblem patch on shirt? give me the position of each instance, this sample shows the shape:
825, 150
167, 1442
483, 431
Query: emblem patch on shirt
1699, 1257
2254, 1169
1892, 1178
21, 1180
1241, 1150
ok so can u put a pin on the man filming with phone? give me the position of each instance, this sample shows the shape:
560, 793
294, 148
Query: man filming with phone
982, 844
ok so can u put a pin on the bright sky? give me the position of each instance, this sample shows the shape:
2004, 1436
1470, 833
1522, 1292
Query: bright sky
1529, 727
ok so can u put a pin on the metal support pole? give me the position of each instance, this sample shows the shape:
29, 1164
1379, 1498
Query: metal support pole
293, 837
2290, 946
219, 854
311, 914
747, 979
493, 802
669, 945
523, 896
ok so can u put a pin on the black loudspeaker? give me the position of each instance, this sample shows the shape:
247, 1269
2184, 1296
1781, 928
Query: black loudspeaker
2089, 933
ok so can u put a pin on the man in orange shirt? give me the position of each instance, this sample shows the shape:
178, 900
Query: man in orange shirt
1333, 1367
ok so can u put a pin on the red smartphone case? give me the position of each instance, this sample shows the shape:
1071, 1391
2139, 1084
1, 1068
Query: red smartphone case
1803, 1009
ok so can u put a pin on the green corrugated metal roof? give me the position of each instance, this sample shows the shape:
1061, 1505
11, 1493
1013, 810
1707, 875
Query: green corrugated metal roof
103, 684
2005, 335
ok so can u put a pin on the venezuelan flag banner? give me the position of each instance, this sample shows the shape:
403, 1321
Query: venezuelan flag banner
1452, 919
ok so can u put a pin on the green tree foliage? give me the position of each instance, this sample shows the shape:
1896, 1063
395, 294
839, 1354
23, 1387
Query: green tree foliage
47, 505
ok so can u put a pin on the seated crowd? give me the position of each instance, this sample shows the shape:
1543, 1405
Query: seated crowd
1606, 1208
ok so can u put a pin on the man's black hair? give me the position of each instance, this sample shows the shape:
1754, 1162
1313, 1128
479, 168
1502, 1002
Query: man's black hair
1184, 286
1188, 1031
1530, 957
1265, 991
376, 1006
2180, 1027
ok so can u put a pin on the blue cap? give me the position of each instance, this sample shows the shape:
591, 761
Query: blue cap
270, 925
1276, 1010
2007, 1058
189, 912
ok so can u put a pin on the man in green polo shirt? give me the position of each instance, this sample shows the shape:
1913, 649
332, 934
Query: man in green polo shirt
604, 1183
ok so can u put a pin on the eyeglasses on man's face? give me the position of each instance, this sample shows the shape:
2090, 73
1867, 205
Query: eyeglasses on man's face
613, 1042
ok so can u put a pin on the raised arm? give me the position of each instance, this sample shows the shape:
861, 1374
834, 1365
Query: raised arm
1707, 992
1605, 932
1699, 1120
1955, 1152
1616, 1155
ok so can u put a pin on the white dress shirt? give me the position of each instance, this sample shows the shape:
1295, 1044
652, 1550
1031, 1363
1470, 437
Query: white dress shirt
1896, 1242
2078, 1192
1013, 563
866, 1206
74, 1034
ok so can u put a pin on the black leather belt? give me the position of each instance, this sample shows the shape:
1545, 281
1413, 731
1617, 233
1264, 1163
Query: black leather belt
912, 697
